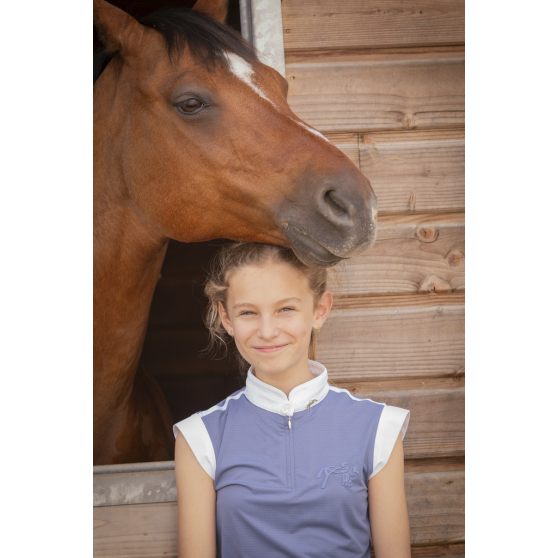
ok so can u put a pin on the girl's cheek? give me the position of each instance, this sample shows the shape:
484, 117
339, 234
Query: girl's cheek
300, 331
245, 330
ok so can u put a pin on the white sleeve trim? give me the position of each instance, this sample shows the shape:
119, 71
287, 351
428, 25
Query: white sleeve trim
197, 436
392, 421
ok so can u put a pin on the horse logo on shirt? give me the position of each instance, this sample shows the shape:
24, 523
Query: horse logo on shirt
347, 472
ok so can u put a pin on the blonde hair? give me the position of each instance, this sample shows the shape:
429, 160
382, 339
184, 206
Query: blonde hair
232, 257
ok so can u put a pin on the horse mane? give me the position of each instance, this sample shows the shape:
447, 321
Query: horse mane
208, 39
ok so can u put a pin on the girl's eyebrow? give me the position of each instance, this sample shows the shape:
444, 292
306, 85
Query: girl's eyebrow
282, 301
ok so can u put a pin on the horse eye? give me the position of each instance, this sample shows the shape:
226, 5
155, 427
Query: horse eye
189, 106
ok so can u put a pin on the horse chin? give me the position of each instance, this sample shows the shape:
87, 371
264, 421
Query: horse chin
308, 250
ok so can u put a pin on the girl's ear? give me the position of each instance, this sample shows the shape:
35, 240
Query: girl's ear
224, 318
217, 9
323, 309
118, 30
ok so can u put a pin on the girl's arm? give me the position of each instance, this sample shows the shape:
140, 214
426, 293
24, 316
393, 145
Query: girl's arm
196, 504
389, 519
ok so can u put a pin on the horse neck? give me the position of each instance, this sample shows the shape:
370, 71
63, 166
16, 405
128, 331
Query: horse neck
128, 255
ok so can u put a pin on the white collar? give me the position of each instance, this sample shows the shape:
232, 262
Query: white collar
272, 399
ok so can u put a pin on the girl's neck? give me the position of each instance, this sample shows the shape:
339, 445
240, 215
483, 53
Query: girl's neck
288, 379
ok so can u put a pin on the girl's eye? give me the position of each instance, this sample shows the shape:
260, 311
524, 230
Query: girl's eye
246, 313
189, 106
287, 309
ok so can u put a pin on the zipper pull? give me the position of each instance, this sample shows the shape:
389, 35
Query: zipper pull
289, 422
311, 402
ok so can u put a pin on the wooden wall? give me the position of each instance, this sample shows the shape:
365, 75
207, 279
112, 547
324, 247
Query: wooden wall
384, 81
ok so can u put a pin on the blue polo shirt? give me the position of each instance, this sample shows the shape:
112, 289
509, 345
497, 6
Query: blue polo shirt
291, 473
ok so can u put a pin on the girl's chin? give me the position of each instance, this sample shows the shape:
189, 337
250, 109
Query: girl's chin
274, 363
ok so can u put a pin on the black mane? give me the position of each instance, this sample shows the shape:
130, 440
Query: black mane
207, 38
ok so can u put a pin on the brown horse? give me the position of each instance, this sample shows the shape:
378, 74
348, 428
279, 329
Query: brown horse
194, 140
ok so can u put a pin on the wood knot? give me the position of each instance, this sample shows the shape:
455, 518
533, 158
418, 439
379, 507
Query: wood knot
427, 234
455, 258
459, 373
433, 284
408, 122
412, 202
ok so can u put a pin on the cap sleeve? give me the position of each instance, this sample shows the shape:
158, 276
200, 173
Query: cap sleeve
392, 421
197, 436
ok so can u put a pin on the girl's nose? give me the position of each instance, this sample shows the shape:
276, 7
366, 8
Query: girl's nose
267, 329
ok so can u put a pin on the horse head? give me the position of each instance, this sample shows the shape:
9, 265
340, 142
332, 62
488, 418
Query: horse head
195, 134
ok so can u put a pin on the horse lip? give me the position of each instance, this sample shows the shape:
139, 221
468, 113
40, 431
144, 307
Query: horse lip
305, 247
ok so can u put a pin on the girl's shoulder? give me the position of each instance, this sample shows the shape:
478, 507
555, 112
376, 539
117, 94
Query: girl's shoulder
382, 422
203, 430
350, 399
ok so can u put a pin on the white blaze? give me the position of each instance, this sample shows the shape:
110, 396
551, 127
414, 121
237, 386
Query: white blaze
244, 72
315, 132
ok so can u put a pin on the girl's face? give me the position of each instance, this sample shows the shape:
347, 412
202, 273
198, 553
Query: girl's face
271, 312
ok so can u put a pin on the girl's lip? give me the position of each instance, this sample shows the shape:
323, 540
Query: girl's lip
271, 349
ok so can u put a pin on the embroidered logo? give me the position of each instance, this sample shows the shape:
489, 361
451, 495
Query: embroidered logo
347, 471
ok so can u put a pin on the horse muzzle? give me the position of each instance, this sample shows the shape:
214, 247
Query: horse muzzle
333, 220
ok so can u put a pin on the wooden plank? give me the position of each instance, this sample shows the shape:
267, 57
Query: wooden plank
387, 89
439, 551
135, 531
437, 405
412, 254
415, 171
146, 487
156, 486
436, 465
436, 505
388, 337
436, 551
325, 24
435, 502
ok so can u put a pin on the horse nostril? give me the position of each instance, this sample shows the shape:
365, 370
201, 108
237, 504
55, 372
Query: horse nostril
334, 204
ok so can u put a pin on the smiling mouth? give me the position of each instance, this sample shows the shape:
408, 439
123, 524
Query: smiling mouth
272, 349
308, 250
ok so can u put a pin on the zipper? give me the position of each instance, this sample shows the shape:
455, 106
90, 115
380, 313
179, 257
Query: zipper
290, 447
290, 456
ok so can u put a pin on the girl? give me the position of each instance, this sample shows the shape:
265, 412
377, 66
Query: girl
289, 466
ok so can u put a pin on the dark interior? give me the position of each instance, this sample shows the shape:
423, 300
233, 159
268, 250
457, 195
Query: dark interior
176, 334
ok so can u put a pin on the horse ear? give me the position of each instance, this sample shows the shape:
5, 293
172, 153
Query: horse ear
118, 30
215, 8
